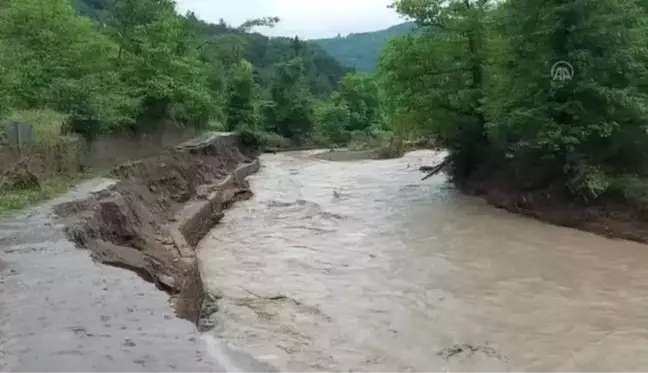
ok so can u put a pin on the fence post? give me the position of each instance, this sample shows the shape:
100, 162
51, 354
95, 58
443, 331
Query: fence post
20, 140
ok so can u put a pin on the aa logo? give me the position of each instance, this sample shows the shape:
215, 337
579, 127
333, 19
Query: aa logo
562, 71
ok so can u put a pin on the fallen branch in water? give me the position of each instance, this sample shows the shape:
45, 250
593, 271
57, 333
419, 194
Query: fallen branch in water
433, 170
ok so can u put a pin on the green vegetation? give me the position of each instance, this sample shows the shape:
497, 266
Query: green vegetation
136, 65
17, 199
477, 78
78, 69
83, 68
47, 124
361, 50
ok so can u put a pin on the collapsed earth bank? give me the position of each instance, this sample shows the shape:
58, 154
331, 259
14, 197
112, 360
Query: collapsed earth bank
152, 218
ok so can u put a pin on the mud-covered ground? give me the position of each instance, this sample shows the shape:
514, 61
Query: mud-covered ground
345, 155
63, 309
60, 311
151, 219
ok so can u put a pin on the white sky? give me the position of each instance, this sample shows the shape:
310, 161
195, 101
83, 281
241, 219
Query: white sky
308, 19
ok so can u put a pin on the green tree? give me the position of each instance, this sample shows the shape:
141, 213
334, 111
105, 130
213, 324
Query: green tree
58, 59
47, 41
290, 113
7, 79
229, 48
572, 131
332, 121
140, 65
258, 22
165, 75
359, 92
241, 93
438, 77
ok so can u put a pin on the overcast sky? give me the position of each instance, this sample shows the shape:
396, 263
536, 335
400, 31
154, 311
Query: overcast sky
306, 18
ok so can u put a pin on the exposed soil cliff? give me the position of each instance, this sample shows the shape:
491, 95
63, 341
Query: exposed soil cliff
152, 219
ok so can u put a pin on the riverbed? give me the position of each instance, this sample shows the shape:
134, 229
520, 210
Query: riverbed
361, 266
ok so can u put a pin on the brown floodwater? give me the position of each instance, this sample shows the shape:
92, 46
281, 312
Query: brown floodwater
361, 266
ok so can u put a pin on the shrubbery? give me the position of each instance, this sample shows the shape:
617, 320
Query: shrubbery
478, 77
139, 65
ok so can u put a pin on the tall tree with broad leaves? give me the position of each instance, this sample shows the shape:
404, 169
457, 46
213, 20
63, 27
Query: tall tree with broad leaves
438, 77
290, 113
573, 131
241, 95
54, 58
165, 75
359, 92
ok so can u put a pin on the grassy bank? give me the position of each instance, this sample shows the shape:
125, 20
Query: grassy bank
55, 161
12, 200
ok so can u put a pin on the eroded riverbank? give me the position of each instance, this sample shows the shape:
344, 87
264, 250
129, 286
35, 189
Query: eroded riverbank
63, 310
60, 311
360, 266
151, 219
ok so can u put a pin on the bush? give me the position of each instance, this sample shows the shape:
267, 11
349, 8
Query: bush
215, 125
250, 139
274, 140
332, 121
47, 125
632, 189
372, 139
587, 182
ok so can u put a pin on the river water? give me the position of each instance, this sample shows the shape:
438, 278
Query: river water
361, 266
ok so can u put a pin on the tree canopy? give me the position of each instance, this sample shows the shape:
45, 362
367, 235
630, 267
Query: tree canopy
136, 65
478, 77
362, 50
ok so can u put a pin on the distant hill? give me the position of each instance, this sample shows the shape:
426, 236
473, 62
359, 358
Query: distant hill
323, 71
363, 49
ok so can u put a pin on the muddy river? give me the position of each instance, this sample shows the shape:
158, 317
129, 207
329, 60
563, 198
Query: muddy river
360, 266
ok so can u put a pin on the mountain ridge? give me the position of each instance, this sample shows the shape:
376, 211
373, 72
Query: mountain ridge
323, 71
361, 50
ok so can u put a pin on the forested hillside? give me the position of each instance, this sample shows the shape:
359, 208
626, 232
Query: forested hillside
481, 78
361, 50
477, 77
262, 52
136, 64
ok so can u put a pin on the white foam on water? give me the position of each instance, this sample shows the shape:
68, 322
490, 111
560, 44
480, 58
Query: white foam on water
217, 353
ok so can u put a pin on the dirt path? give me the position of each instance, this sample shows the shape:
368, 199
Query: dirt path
62, 311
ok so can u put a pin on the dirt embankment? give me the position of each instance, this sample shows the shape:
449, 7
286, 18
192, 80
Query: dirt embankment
152, 219
606, 218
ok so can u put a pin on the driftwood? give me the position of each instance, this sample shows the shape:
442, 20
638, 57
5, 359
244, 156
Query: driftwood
433, 170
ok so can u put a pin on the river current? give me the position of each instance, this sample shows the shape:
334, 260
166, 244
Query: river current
361, 266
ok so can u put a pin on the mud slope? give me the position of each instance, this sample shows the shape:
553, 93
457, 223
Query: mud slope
151, 219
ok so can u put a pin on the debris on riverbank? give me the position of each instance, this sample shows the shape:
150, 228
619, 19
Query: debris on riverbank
469, 350
346, 155
433, 170
152, 219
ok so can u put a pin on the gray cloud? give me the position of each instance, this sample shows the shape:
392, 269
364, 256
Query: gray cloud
306, 18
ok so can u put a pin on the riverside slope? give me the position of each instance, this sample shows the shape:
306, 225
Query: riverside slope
63, 312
